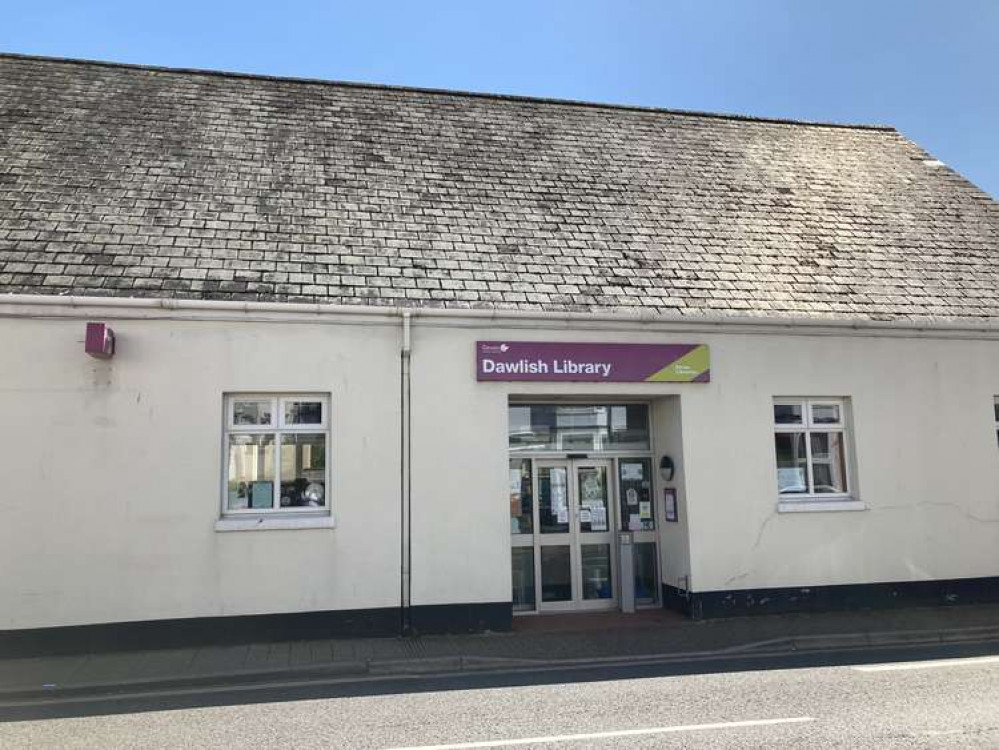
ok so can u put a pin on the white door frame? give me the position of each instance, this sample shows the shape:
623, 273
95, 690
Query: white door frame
574, 537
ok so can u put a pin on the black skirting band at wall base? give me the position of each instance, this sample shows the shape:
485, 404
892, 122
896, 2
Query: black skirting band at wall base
243, 629
711, 604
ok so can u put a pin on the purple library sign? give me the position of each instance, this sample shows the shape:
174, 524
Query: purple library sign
592, 362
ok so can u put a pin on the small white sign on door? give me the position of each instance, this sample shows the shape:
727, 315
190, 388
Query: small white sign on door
599, 519
631, 472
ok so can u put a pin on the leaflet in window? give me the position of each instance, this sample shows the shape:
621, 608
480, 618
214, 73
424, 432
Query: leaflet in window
261, 495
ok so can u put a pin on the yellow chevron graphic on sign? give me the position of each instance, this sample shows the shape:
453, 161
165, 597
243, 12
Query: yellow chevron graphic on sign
687, 368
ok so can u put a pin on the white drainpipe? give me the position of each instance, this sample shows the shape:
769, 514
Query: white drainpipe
405, 478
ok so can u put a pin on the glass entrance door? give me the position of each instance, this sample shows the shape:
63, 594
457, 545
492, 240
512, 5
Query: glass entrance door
575, 539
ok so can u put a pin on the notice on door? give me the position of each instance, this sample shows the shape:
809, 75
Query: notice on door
592, 362
599, 519
631, 472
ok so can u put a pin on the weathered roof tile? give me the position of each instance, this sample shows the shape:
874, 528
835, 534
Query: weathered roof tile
118, 180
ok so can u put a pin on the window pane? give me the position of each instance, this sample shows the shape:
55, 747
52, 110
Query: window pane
787, 413
521, 499
523, 578
303, 470
629, 427
792, 475
646, 586
556, 574
596, 571
594, 507
252, 412
828, 462
531, 428
553, 500
582, 428
635, 494
303, 412
825, 414
250, 481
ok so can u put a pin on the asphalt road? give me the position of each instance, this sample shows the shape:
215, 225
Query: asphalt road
952, 703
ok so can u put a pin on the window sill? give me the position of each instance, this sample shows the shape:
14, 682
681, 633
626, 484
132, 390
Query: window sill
263, 523
820, 506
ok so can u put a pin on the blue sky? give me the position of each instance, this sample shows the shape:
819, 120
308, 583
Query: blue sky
928, 67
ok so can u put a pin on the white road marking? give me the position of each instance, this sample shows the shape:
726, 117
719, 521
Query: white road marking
970, 661
603, 735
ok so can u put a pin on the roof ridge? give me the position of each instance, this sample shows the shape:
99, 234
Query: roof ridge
447, 92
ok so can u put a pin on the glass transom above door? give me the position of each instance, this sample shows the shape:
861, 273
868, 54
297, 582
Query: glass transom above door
578, 428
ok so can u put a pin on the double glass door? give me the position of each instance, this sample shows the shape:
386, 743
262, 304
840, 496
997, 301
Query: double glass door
575, 535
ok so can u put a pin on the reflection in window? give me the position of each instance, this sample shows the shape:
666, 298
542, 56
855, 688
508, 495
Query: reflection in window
828, 462
276, 454
810, 447
521, 499
788, 414
646, 582
825, 414
303, 470
523, 578
566, 428
556, 574
252, 412
792, 462
251, 472
303, 412
596, 571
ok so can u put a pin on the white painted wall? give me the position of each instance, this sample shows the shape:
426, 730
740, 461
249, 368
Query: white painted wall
111, 471
927, 463
461, 508
926, 458
674, 536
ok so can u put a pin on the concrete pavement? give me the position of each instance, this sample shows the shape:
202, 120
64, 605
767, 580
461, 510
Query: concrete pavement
537, 642
944, 704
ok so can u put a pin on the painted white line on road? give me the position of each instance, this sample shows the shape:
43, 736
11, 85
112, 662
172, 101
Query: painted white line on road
970, 661
607, 735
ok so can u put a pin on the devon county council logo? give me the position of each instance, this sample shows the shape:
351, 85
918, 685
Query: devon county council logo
493, 348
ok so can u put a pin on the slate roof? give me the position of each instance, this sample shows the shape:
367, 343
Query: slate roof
143, 182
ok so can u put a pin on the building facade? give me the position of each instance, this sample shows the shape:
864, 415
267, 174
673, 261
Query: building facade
776, 398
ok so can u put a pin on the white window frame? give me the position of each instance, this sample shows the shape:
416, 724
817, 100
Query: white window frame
275, 517
817, 500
